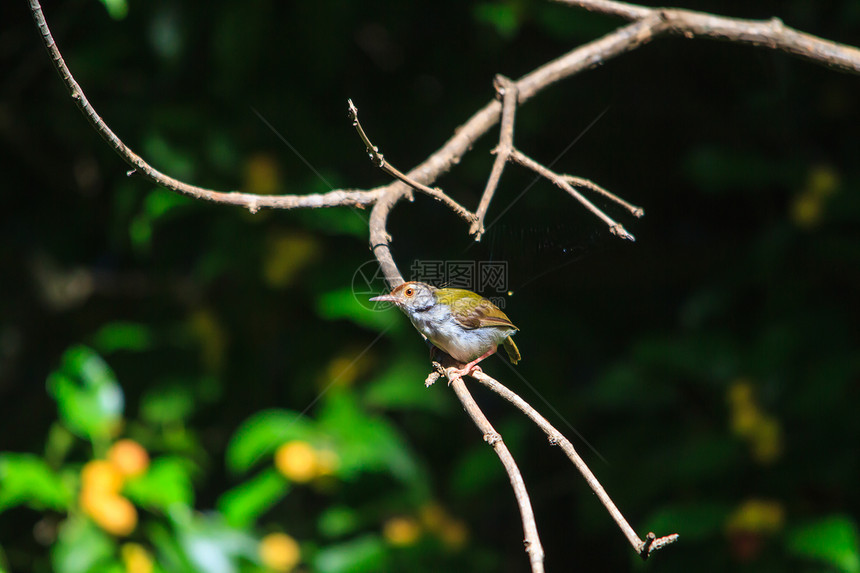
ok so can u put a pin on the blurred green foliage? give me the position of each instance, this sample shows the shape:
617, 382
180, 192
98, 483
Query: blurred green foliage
277, 421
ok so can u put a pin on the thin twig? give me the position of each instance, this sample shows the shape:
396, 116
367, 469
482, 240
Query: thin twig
643, 548
614, 227
592, 186
377, 157
532, 540
507, 91
249, 201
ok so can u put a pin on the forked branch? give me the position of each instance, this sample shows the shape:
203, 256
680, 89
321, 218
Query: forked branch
508, 93
379, 160
646, 25
556, 438
494, 439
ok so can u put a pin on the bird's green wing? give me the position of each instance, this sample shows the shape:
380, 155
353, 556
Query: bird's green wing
471, 310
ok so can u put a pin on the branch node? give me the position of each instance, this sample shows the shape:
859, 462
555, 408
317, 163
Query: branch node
492, 438
130, 172
377, 158
619, 231
653, 543
777, 25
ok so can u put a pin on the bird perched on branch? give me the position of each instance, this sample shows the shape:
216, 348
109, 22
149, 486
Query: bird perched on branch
465, 325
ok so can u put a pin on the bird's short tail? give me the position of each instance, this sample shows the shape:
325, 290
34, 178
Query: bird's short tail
512, 350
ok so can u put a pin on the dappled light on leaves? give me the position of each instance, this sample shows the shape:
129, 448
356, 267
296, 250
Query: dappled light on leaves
401, 531
262, 175
748, 421
808, 206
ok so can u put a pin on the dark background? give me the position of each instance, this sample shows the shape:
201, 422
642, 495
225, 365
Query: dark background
744, 276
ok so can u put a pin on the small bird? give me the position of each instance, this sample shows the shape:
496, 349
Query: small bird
460, 322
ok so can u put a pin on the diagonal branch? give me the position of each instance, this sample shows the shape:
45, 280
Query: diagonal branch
771, 34
556, 438
252, 202
561, 181
637, 212
377, 157
507, 91
532, 540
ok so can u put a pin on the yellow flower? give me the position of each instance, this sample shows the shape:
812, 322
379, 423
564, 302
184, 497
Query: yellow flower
401, 531
262, 175
279, 552
761, 431
101, 476
112, 512
129, 458
757, 516
454, 533
297, 461
136, 558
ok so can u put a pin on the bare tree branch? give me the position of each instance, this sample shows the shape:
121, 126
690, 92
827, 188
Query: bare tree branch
249, 201
556, 438
647, 24
377, 157
591, 186
771, 34
507, 91
380, 240
492, 437
614, 227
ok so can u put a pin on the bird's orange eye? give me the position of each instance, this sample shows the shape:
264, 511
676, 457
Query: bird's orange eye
409, 292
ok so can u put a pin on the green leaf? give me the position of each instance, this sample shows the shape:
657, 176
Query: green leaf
363, 554
400, 386
89, 399
165, 484
159, 203
116, 9
210, 544
243, 504
123, 336
364, 443
27, 479
334, 221
692, 522
338, 521
261, 434
82, 548
833, 540
345, 304
504, 17
475, 471
170, 552
167, 403
722, 169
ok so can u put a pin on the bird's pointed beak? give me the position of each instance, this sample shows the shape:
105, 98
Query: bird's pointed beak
383, 298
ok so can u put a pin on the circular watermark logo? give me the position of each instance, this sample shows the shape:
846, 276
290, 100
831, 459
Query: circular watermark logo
368, 281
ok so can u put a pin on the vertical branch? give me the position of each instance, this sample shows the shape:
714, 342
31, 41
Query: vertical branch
380, 240
507, 90
532, 540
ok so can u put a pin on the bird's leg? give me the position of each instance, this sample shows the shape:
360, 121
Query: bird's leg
473, 365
